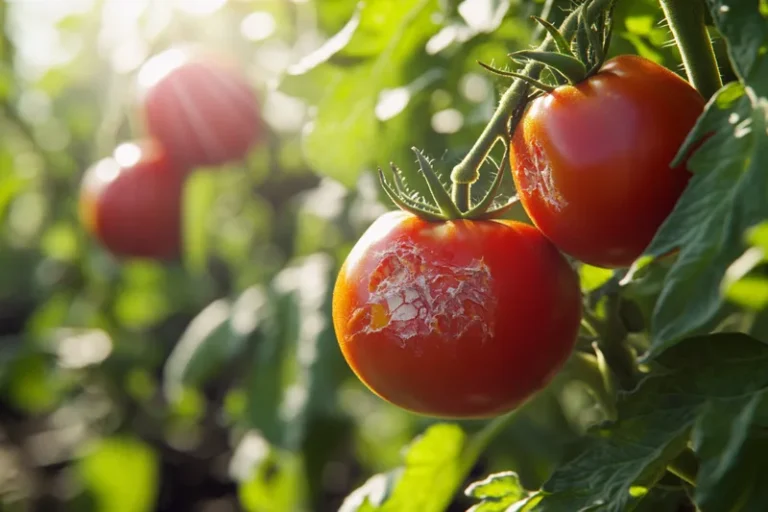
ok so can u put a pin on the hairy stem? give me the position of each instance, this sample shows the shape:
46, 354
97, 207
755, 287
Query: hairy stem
686, 20
467, 171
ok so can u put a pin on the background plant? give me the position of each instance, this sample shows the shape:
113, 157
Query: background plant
216, 381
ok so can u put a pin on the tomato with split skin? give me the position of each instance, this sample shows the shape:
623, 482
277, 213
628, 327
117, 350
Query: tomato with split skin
455, 319
591, 161
200, 107
131, 202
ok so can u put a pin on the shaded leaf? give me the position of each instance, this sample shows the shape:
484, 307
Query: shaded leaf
214, 337
702, 377
745, 28
726, 196
370, 54
721, 437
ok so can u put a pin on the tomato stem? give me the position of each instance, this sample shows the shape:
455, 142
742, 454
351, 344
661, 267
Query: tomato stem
460, 195
686, 19
480, 441
468, 170
612, 342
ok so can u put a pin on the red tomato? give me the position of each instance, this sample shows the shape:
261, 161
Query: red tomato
460, 319
131, 202
202, 110
591, 162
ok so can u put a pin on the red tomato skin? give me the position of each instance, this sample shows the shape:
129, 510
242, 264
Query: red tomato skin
460, 319
591, 162
131, 202
202, 109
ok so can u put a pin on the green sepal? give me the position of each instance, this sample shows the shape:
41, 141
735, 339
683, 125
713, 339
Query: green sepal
570, 67
582, 38
441, 196
563, 46
510, 74
407, 204
607, 34
497, 212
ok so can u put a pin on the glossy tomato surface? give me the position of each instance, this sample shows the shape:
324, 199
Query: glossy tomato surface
591, 162
460, 319
131, 202
201, 108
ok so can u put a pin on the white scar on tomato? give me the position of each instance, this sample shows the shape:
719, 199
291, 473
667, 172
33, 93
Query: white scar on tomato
413, 295
537, 176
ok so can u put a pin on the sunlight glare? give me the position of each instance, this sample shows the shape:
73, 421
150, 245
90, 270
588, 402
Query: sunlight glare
159, 66
127, 154
199, 7
106, 171
258, 26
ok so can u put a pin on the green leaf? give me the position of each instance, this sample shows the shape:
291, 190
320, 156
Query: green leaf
497, 492
742, 284
266, 374
727, 195
728, 474
273, 478
433, 469
278, 406
704, 378
110, 463
199, 197
196, 354
311, 282
370, 54
745, 28
593, 278
216, 336
372, 494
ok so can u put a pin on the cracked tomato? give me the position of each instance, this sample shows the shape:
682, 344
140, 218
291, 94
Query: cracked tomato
131, 202
460, 319
591, 161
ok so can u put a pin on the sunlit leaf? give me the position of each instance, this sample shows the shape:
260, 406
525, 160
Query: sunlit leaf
274, 478
433, 468
497, 492
368, 55
108, 464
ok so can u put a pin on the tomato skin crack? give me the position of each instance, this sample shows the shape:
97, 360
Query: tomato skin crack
412, 297
537, 178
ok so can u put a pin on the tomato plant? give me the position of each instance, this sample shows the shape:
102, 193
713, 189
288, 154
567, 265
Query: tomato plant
200, 107
591, 161
455, 319
304, 336
131, 201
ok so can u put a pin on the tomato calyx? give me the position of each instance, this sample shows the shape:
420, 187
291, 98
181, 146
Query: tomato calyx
441, 206
574, 58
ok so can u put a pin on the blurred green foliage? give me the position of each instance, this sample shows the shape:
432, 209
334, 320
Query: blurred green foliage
216, 381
